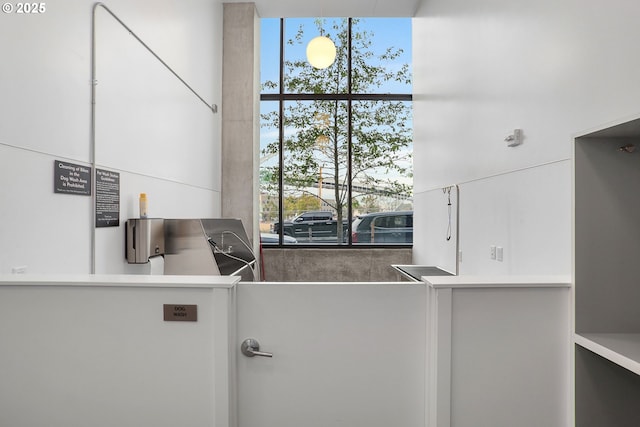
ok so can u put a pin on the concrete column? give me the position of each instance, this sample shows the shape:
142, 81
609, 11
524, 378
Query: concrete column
241, 115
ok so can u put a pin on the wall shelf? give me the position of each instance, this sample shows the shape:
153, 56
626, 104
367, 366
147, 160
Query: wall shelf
606, 271
621, 349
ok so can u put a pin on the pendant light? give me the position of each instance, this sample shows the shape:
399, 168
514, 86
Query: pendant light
321, 52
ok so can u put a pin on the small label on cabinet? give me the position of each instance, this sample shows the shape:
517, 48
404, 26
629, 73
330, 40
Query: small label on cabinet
180, 313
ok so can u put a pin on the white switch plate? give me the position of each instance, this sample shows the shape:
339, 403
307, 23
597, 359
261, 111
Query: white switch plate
492, 252
499, 253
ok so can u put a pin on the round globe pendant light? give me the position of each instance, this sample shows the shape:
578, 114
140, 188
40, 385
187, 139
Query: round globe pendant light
321, 52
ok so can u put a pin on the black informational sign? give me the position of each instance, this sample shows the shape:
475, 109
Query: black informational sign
107, 198
71, 179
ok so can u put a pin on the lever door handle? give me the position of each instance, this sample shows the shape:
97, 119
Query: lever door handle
251, 347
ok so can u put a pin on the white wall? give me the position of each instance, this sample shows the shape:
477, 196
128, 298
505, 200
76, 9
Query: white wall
149, 128
435, 232
484, 68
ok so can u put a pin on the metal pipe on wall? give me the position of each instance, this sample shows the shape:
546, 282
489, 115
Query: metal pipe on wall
94, 82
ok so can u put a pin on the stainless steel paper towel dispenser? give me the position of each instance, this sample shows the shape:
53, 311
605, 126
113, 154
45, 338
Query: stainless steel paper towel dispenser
145, 239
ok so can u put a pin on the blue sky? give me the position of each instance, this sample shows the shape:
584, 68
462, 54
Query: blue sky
388, 32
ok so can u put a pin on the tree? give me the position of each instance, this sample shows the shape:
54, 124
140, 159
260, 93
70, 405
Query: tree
300, 204
316, 144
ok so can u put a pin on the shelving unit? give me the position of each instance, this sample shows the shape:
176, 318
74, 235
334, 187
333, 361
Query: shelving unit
607, 276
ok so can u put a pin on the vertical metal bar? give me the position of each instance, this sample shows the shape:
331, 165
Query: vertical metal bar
281, 139
92, 150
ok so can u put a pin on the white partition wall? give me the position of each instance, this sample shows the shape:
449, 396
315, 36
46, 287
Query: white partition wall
347, 354
464, 352
498, 352
97, 351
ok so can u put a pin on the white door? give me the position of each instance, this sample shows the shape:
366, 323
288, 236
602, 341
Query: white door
343, 355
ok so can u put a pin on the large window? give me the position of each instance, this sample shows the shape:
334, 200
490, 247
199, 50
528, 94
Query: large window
336, 143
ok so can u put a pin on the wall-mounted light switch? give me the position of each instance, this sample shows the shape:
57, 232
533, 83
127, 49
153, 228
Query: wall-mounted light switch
492, 253
499, 253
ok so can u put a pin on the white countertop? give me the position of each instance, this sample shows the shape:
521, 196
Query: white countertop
119, 280
497, 281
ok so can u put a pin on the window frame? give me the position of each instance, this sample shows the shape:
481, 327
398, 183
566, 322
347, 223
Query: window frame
349, 97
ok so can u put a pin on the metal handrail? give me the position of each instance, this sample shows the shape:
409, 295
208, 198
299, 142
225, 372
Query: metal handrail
212, 107
94, 81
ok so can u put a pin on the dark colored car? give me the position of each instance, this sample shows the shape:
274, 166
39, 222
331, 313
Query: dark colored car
383, 227
314, 216
313, 227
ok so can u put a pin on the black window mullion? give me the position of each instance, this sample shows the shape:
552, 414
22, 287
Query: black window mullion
281, 139
336, 96
349, 140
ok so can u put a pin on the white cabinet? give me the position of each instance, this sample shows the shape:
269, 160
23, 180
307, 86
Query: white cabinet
607, 275
498, 351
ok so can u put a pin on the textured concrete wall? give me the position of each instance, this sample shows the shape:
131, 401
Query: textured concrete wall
240, 115
337, 265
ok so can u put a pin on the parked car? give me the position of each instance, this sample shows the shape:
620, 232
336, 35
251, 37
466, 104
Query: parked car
383, 227
274, 239
314, 216
313, 226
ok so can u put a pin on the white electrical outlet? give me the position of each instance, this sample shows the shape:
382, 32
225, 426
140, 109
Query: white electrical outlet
499, 253
492, 252
19, 270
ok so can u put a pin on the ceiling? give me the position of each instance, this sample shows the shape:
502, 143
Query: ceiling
331, 8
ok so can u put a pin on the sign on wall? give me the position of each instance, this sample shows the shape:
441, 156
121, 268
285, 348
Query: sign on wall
107, 198
70, 178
